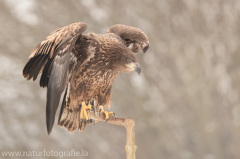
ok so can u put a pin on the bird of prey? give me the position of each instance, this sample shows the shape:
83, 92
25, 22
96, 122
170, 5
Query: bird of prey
85, 67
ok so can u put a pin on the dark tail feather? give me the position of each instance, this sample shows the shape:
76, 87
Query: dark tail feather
70, 119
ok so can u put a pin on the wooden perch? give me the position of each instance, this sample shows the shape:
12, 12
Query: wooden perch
129, 124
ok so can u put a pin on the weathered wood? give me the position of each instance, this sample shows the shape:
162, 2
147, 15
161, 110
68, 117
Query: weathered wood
129, 124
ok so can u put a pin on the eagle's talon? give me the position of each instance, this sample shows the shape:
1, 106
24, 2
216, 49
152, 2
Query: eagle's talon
101, 110
84, 113
111, 113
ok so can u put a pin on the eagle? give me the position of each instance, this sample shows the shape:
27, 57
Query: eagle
84, 66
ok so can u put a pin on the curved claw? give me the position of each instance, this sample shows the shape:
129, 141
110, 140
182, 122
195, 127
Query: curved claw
106, 120
93, 108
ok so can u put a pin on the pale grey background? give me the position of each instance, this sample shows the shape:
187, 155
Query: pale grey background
185, 102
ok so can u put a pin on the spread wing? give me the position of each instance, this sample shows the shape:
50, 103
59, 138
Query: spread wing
133, 38
53, 57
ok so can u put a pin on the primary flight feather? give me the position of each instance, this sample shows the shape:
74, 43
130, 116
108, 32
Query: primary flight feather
85, 67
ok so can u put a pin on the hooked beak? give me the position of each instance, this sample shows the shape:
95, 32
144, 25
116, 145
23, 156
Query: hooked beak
137, 68
145, 47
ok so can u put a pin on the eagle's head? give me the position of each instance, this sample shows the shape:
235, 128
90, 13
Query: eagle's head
123, 59
128, 62
115, 54
133, 40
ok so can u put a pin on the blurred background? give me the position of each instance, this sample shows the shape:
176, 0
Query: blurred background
185, 102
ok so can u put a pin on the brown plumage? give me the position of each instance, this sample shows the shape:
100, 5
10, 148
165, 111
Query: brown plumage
85, 66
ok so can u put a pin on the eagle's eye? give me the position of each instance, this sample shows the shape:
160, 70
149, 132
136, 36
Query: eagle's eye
128, 41
129, 61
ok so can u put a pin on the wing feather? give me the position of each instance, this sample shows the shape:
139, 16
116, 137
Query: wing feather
39, 67
29, 68
46, 73
53, 56
56, 86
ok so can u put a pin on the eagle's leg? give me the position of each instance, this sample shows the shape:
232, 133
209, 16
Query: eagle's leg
84, 111
101, 110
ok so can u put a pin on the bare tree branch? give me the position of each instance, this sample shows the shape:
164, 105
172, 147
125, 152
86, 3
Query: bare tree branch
129, 124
